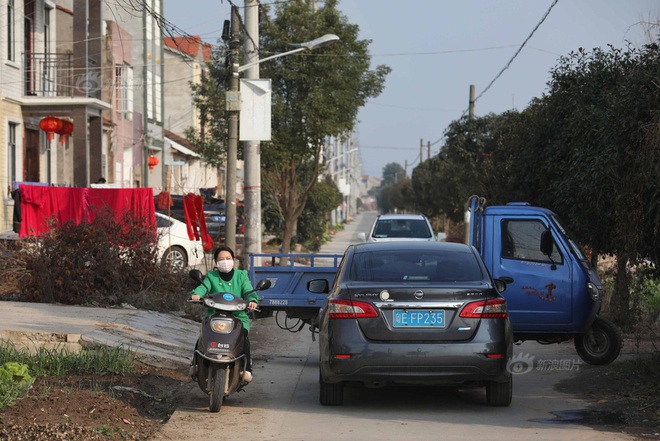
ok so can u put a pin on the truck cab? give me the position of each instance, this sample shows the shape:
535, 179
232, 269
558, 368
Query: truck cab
553, 293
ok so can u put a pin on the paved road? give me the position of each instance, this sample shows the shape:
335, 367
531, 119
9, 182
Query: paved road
282, 401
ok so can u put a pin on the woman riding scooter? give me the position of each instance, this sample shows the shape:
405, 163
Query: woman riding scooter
228, 279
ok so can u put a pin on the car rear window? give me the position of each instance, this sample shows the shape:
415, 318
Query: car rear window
400, 266
402, 228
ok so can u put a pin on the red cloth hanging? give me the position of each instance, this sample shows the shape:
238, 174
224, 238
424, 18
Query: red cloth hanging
39, 204
136, 202
193, 209
164, 200
42, 204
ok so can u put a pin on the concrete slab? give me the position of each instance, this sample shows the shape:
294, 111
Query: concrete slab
163, 339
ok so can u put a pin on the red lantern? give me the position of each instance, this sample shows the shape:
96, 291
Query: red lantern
50, 125
66, 130
152, 162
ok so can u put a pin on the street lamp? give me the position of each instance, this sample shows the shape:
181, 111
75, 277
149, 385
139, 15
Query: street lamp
306, 46
252, 155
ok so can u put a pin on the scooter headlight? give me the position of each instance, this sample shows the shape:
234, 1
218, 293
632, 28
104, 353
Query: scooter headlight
222, 325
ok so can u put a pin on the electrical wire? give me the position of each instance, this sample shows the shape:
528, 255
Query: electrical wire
517, 52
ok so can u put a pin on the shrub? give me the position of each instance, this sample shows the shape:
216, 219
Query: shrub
103, 263
14, 382
645, 290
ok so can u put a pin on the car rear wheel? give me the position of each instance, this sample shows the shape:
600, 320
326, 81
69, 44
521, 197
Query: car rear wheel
499, 394
332, 394
175, 258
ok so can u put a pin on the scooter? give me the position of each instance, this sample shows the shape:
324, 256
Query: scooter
219, 362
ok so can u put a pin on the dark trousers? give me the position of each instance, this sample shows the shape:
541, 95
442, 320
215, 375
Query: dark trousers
246, 350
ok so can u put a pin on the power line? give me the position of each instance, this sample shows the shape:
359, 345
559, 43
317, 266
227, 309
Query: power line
510, 61
517, 52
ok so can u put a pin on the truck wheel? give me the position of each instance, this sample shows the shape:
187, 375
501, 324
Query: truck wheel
217, 388
499, 394
332, 394
601, 344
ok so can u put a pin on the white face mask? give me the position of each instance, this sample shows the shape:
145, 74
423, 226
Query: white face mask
224, 266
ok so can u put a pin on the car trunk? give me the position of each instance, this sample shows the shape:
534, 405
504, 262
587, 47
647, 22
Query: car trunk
419, 312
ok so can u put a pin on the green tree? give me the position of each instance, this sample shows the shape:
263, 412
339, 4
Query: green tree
588, 149
603, 107
312, 224
392, 173
209, 99
396, 198
315, 95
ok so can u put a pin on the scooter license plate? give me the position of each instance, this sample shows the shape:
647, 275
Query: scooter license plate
419, 318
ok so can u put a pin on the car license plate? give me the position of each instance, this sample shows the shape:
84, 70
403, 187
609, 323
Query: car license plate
419, 318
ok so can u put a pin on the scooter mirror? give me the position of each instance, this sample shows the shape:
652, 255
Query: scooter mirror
196, 275
263, 284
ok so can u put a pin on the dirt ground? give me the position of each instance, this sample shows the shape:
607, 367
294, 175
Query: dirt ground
625, 398
87, 407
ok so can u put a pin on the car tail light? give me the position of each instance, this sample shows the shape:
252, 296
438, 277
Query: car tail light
347, 309
489, 308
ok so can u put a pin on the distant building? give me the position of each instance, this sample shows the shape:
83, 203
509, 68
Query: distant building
186, 61
344, 166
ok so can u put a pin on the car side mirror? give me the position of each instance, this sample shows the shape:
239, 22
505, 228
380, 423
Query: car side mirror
500, 285
362, 237
547, 244
318, 286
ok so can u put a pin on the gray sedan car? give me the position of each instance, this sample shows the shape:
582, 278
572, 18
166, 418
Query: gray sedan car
425, 313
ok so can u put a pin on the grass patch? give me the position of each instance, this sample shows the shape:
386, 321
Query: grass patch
97, 360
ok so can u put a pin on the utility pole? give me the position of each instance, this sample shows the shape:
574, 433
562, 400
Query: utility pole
252, 149
233, 108
428, 150
421, 150
471, 113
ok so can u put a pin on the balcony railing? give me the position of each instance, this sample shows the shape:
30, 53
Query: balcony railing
49, 74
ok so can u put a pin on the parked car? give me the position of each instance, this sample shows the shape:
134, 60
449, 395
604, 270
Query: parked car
214, 216
389, 227
421, 313
175, 249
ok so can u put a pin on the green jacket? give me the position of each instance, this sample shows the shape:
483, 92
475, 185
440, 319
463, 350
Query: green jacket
238, 285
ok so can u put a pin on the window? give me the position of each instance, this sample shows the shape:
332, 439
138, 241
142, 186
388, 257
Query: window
158, 89
402, 228
47, 70
11, 31
150, 95
521, 239
11, 153
413, 266
124, 88
47, 30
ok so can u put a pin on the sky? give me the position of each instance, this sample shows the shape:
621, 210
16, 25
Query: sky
438, 48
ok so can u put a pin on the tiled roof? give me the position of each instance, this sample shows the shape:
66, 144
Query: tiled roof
190, 45
180, 139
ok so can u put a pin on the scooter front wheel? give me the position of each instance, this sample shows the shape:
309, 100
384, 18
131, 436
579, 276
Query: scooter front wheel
217, 380
601, 344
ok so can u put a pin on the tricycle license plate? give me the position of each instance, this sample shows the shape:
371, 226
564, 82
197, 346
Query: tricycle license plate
419, 318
